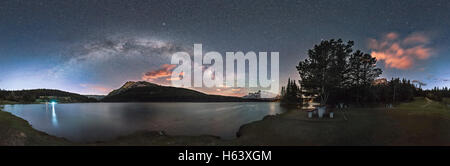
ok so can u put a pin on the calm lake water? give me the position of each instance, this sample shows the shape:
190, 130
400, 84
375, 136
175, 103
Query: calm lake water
86, 122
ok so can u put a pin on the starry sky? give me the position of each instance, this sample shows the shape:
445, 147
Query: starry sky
94, 46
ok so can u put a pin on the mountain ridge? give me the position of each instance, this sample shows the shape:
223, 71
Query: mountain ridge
142, 91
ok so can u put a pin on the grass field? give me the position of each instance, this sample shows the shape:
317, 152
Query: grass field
447, 102
424, 106
8, 102
421, 122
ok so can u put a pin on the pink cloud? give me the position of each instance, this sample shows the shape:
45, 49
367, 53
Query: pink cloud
420, 52
401, 53
416, 38
391, 36
96, 88
163, 72
226, 91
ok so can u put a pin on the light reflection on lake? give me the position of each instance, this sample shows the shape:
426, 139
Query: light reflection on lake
103, 121
54, 118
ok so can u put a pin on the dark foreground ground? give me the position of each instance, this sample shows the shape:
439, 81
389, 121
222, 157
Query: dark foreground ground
421, 122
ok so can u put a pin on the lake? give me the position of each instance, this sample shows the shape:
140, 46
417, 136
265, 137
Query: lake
87, 122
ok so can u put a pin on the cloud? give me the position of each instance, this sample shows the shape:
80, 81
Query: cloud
163, 72
92, 88
391, 36
235, 90
416, 38
437, 79
401, 53
227, 91
418, 82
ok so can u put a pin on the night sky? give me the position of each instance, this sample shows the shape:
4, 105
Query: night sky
92, 47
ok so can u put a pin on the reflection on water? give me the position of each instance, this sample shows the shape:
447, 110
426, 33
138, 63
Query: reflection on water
103, 121
273, 109
54, 118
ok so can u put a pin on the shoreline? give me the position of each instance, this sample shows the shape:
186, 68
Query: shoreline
15, 131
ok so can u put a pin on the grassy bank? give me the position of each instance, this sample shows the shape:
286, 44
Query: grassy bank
16, 131
447, 101
421, 122
426, 107
4, 102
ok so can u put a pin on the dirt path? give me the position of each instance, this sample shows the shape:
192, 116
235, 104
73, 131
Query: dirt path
428, 102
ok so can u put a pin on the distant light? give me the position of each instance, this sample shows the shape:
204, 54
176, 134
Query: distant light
53, 102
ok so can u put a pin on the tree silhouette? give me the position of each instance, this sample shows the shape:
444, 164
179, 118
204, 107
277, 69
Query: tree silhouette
362, 72
291, 94
324, 70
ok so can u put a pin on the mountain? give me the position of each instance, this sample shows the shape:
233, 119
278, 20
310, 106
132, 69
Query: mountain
131, 84
143, 91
